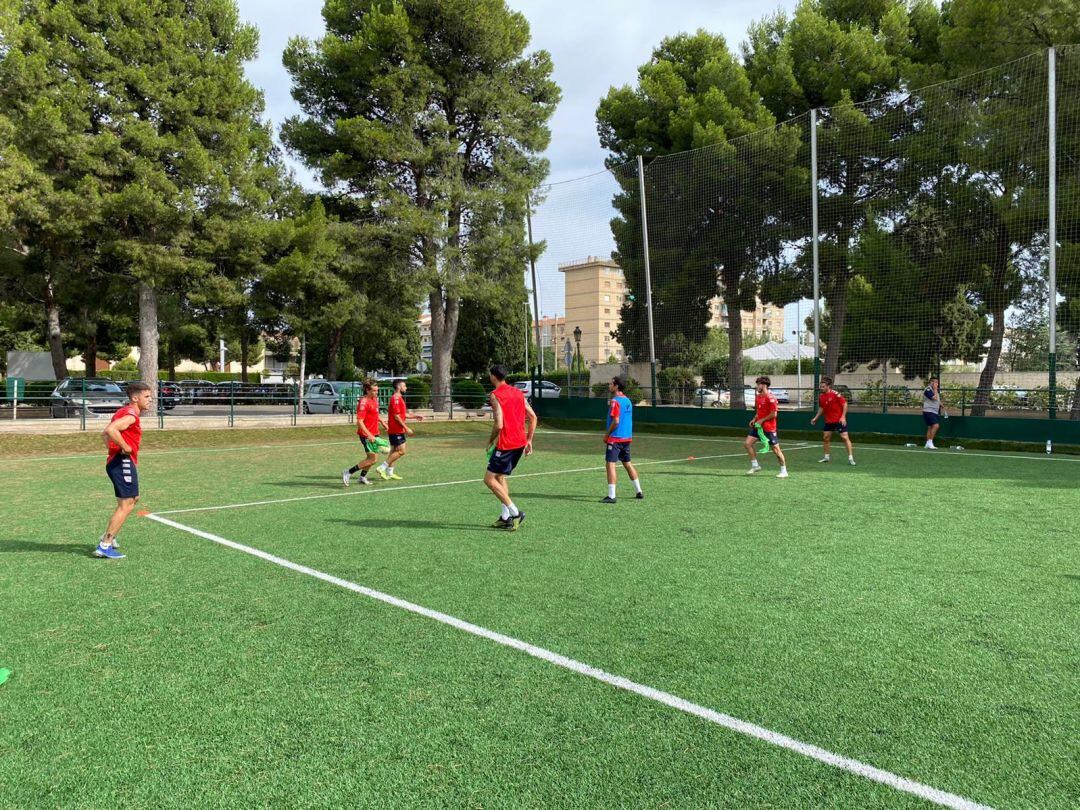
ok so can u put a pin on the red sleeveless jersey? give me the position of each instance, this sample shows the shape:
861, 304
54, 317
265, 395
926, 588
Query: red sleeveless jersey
512, 402
132, 433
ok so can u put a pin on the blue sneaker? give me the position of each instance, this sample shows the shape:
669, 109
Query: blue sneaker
108, 552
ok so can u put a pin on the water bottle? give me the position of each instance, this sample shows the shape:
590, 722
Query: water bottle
957, 447
911, 444
1049, 447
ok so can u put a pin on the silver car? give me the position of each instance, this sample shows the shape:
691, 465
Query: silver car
95, 397
546, 390
324, 396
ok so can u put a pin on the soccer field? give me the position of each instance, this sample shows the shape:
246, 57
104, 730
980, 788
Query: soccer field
878, 636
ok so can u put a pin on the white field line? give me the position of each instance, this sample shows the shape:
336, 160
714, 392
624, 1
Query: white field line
439, 484
854, 766
941, 451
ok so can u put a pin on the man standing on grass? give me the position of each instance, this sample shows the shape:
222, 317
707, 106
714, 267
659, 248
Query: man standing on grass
397, 431
368, 422
932, 411
832, 404
766, 409
620, 432
122, 438
511, 436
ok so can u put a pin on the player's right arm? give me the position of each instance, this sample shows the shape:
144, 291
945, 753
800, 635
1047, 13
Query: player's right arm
613, 415
531, 423
112, 433
364, 432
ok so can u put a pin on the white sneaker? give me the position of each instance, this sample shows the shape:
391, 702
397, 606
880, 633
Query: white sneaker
930, 446
346, 476
782, 474
753, 470
367, 482
851, 461
824, 460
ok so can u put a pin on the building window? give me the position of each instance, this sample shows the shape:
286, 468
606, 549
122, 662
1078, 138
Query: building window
607, 284
607, 299
607, 325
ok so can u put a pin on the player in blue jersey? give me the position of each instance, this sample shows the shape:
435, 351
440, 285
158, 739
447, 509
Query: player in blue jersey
620, 432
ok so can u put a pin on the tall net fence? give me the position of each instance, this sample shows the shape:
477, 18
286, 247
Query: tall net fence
931, 254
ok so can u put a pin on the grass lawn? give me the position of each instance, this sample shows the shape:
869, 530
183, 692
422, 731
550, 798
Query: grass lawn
918, 613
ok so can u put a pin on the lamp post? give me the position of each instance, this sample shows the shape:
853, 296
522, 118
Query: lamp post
577, 340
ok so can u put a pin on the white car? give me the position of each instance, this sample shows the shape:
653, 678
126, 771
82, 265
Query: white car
705, 396
325, 396
547, 390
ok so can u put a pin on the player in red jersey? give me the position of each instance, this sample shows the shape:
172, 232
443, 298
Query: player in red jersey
766, 409
832, 404
122, 438
511, 436
397, 431
368, 422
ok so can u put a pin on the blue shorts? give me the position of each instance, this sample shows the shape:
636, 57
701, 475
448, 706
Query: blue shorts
617, 451
835, 427
124, 476
397, 439
930, 418
503, 462
771, 435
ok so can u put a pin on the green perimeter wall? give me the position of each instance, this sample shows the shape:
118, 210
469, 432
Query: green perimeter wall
1009, 432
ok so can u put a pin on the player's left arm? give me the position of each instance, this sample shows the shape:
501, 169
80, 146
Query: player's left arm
113, 431
532, 422
497, 419
843, 413
773, 414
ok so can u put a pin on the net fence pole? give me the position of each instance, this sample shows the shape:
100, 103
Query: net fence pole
1052, 225
815, 238
535, 287
648, 278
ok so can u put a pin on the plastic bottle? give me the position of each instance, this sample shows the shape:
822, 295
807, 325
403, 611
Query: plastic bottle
1049, 447
957, 447
910, 444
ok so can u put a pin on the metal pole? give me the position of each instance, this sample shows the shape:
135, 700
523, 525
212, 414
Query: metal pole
798, 349
82, 408
1052, 229
536, 299
815, 240
527, 368
648, 275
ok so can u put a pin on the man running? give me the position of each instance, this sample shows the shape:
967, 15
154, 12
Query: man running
122, 438
511, 436
396, 414
368, 422
620, 432
766, 409
832, 404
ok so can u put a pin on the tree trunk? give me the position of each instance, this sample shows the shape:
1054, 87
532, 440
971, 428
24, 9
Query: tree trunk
148, 333
735, 372
244, 349
90, 356
56, 339
837, 314
986, 379
336, 336
303, 368
444, 324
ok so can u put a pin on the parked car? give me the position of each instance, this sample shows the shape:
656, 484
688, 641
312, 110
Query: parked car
325, 396
274, 394
94, 396
168, 395
189, 389
546, 390
705, 396
781, 395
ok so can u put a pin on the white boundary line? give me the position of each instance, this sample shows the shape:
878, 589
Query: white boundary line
854, 766
439, 484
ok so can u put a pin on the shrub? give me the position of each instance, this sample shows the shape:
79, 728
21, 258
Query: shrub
677, 384
468, 393
418, 394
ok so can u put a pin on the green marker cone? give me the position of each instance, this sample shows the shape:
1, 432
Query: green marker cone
4, 675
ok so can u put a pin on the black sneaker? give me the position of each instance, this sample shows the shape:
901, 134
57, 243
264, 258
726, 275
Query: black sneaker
640, 496
501, 523
515, 521
608, 499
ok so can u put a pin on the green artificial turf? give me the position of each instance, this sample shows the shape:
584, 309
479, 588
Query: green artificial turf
918, 612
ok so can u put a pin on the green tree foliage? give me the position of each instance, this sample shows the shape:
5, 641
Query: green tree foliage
430, 115
711, 209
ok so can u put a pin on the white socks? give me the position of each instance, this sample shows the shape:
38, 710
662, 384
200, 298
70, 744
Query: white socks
637, 486
827, 456
383, 467
506, 512
389, 470
611, 491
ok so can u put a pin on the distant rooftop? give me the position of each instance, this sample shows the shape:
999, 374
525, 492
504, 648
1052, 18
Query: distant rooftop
608, 262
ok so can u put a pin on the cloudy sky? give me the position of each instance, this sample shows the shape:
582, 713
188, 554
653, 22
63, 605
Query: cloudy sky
595, 44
